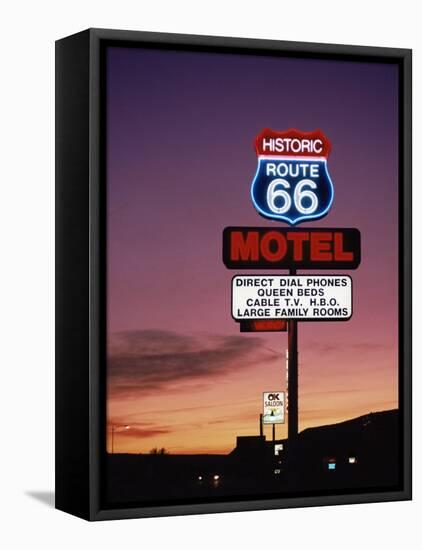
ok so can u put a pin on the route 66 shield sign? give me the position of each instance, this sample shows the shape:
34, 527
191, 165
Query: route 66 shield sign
292, 183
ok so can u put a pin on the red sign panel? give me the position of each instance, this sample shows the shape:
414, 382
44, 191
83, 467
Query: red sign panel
292, 143
282, 248
263, 325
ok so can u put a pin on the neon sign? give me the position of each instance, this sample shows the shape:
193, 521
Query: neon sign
292, 183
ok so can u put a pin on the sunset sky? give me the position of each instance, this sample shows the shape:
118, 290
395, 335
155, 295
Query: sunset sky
180, 162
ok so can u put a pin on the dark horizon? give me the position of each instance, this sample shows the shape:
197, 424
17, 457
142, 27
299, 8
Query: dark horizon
356, 455
267, 440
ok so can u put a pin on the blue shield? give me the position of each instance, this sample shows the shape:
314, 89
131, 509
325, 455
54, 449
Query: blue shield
292, 189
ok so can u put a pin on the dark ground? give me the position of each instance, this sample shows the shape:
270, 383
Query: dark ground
253, 470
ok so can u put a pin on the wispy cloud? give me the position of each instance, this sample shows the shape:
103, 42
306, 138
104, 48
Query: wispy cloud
140, 432
145, 361
355, 347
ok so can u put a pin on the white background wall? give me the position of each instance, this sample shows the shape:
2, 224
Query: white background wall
28, 31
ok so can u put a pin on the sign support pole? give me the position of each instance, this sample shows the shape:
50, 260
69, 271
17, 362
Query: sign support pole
293, 412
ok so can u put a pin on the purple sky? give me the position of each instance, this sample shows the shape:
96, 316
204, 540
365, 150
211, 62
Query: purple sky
181, 161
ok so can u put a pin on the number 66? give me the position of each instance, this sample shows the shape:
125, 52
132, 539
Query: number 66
274, 192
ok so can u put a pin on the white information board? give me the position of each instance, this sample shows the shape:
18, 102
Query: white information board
306, 297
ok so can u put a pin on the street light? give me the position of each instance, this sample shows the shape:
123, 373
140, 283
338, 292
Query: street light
115, 427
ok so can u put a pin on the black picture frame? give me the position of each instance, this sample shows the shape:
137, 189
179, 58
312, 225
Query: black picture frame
80, 266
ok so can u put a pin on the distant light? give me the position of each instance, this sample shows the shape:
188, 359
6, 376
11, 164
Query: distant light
277, 471
216, 477
199, 478
352, 460
278, 448
331, 465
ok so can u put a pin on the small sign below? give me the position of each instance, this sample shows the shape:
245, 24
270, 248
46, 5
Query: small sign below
303, 297
273, 409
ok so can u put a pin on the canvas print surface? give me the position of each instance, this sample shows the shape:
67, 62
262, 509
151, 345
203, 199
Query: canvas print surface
252, 276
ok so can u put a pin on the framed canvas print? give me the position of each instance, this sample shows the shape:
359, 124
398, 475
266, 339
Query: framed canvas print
233, 326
